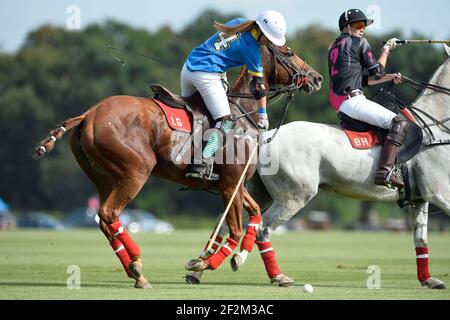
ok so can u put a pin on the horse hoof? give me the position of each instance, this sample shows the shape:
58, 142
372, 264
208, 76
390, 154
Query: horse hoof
282, 281
236, 262
135, 268
191, 279
142, 283
434, 283
197, 264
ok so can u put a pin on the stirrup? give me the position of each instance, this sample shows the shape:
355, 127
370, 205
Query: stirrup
203, 172
396, 175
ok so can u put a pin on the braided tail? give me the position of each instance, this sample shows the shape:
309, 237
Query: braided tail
47, 145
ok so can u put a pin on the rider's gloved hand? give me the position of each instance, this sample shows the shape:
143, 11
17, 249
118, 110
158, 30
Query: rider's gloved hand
263, 122
391, 44
397, 78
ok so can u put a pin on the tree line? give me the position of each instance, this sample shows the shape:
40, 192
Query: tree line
57, 74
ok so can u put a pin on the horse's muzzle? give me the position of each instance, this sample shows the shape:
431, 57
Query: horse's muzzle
313, 83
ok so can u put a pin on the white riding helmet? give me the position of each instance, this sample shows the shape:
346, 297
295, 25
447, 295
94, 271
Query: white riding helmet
273, 25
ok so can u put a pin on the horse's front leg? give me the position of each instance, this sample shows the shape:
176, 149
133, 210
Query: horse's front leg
420, 218
194, 277
254, 223
234, 223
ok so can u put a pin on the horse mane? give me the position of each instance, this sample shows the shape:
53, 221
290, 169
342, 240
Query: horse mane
237, 84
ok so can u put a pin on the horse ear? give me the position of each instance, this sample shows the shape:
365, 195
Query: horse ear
447, 49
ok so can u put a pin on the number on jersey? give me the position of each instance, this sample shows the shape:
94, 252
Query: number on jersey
224, 43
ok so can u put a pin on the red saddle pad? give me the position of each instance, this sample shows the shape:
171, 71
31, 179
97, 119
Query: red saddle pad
177, 119
361, 140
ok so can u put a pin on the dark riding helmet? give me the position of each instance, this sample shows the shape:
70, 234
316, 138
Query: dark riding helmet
353, 15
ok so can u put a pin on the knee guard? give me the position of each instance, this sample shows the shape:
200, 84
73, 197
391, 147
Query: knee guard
399, 129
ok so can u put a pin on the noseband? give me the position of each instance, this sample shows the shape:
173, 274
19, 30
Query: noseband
298, 76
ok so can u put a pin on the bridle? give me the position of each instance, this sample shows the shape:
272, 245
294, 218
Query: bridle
298, 76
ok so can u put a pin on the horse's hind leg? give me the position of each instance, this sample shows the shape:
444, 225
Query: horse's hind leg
103, 181
124, 190
419, 212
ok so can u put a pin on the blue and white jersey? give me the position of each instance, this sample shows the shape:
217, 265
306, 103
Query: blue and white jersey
219, 53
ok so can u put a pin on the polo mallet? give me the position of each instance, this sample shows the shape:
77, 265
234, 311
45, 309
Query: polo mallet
216, 231
419, 41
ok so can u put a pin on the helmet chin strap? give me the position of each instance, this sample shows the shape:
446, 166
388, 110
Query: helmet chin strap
260, 34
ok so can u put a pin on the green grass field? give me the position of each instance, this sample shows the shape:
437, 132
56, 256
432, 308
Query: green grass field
33, 265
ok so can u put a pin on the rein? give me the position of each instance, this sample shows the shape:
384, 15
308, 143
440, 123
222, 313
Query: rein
419, 84
424, 126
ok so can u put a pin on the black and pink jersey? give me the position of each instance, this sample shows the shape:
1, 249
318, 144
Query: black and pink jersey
348, 58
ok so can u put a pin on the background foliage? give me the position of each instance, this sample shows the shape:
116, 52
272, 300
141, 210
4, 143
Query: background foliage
59, 74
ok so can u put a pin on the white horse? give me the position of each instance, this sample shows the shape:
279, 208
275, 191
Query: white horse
313, 155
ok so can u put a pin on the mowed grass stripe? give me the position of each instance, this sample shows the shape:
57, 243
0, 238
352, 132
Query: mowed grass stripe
33, 265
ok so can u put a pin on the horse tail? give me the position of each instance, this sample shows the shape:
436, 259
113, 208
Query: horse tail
47, 145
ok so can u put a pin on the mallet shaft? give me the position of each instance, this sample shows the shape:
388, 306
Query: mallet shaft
216, 231
419, 41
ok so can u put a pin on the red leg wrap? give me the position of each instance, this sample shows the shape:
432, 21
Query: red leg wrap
119, 231
268, 256
122, 254
217, 258
422, 263
250, 233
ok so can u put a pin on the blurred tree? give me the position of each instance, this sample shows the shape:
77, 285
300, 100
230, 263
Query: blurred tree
59, 74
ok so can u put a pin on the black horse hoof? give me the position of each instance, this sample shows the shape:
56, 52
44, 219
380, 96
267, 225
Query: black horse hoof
190, 279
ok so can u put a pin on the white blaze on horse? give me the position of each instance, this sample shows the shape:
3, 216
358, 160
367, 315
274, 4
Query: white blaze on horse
310, 156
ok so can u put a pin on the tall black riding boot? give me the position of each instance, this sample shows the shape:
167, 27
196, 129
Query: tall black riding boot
386, 175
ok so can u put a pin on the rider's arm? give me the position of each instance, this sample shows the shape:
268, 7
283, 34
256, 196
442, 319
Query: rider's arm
382, 60
390, 44
258, 89
375, 68
383, 57
396, 77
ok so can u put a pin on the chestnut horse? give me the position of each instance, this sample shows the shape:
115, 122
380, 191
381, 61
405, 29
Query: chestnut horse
121, 140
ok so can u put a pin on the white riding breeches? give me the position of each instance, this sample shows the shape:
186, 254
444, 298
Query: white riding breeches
362, 109
211, 87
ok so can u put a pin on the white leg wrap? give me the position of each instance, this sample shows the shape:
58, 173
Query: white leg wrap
243, 254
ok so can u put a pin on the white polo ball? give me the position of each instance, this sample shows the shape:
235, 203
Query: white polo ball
308, 288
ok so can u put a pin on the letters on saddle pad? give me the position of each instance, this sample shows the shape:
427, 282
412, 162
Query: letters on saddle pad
178, 119
362, 140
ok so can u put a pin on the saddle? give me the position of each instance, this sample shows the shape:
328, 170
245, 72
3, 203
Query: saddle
166, 96
177, 109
